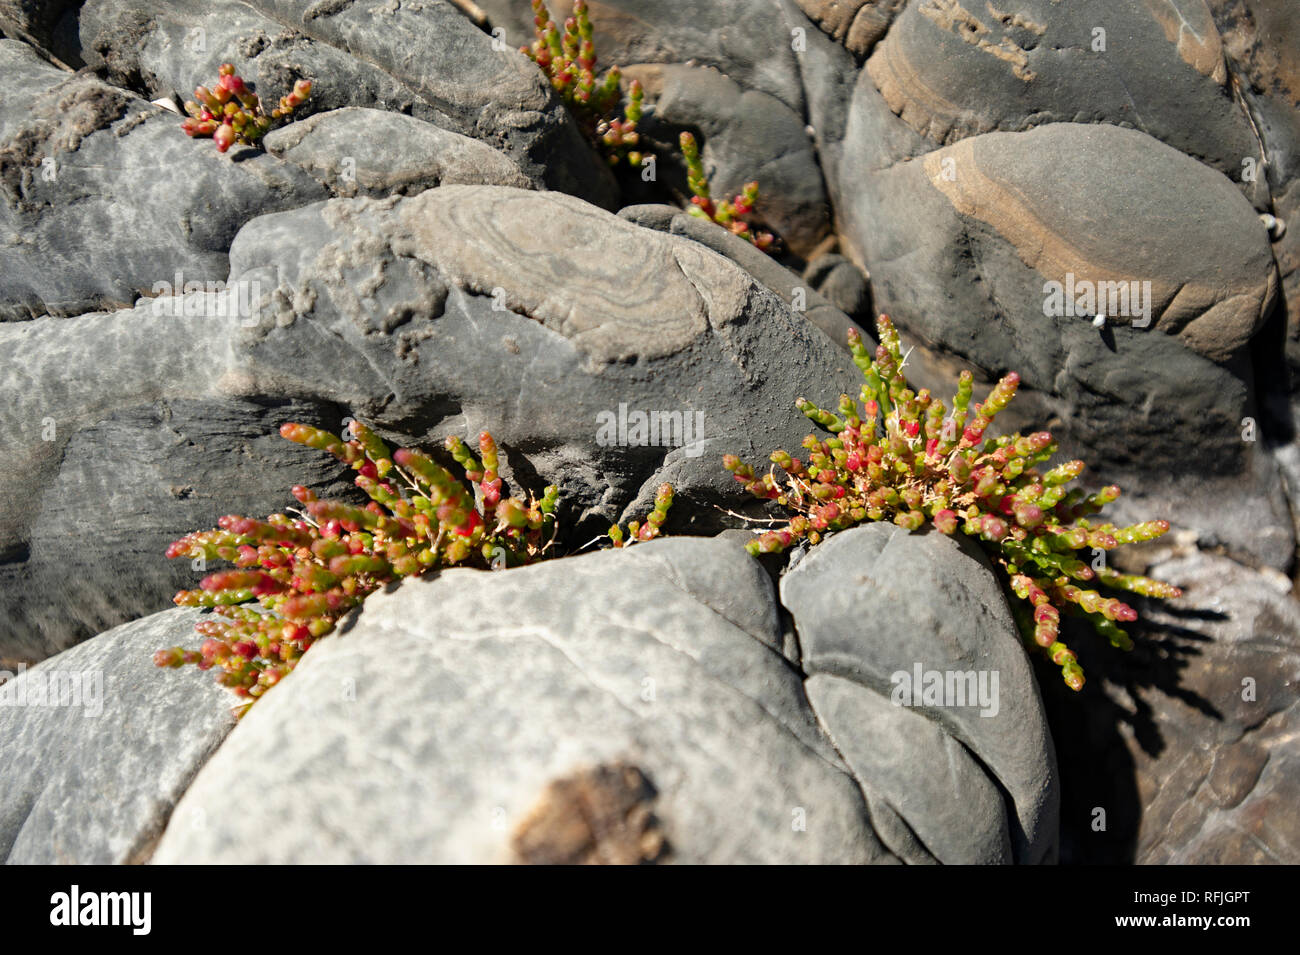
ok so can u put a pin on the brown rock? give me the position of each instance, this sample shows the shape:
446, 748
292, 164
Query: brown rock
600, 816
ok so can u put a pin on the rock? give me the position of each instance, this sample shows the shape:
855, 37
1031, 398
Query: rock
165, 48
370, 152
663, 664
104, 196
962, 242
874, 604
797, 293
749, 41
384, 310
1189, 742
36, 21
858, 24
953, 70
1003, 191
495, 95
106, 743
747, 135
841, 283
626, 706
149, 462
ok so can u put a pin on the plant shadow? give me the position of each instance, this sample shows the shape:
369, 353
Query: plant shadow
1099, 731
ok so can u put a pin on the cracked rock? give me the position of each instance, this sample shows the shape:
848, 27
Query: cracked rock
629, 705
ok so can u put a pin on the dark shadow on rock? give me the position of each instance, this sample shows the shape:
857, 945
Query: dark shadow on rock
1097, 767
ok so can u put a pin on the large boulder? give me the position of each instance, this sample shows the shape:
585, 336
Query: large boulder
102, 196
98, 745
491, 92
631, 705
165, 48
874, 608
556, 326
369, 152
953, 70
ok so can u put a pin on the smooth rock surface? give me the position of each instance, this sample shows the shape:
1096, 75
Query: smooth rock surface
93, 780
798, 293
647, 678
369, 152
876, 601
103, 196
953, 69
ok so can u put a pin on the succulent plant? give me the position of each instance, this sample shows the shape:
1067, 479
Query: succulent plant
638, 531
309, 568
232, 113
724, 212
568, 59
899, 456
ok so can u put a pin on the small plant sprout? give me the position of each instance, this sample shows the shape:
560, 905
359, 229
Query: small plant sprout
723, 212
307, 569
900, 456
568, 58
637, 531
231, 113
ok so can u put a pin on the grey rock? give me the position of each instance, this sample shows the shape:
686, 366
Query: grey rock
369, 152
104, 196
99, 744
384, 310
472, 727
1189, 741
952, 70
875, 601
430, 711
746, 135
799, 294
748, 40
961, 243
165, 48
885, 745
841, 283
497, 96
995, 206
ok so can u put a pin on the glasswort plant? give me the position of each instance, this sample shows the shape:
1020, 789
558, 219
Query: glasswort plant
899, 456
309, 568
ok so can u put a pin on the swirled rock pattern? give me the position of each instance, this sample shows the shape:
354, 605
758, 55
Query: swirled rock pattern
535, 315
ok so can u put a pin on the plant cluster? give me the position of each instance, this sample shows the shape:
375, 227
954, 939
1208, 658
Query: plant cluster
723, 212
232, 113
309, 568
899, 456
638, 531
568, 59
